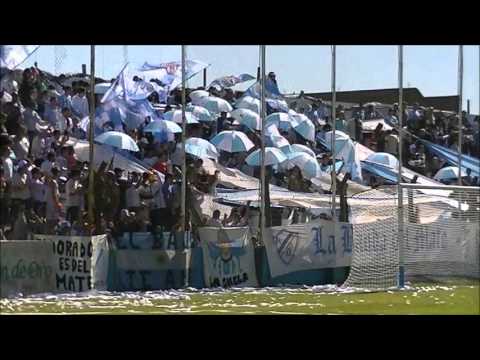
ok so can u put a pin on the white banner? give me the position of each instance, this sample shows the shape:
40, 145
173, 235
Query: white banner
228, 257
308, 247
100, 263
73, 255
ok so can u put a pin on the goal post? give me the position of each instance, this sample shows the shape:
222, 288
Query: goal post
439, 229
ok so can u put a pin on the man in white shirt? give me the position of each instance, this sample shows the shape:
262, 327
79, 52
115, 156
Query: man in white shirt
80, 104
20, 190
52, 113
73, 192
48, 164
132, 196
37, 189
159, 206
21, 144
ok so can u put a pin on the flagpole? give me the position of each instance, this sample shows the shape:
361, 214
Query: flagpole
91, 188
184, 138
262, 143
334, 117
460, 100
401, 273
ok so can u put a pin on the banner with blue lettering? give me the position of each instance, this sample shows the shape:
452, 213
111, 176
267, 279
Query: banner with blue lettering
147, 261
228, 257
308, 246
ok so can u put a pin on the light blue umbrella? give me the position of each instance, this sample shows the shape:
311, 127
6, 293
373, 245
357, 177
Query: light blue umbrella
249, 102
118, 139
273, 156
232, 141
308, 165
176, 116
201, 113
277, 141
383, 159
282, 120
306, 129
197, 96
159, 126
215, 104
289, 149
248, 118
201, 148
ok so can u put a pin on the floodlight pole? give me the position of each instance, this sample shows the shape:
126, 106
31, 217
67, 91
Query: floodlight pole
184, 138
401, 260
460, 100
263, 183
91, 175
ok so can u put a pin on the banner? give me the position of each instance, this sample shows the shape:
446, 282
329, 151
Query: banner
26, 267
11, 56
228, 257
170, 74
308, 246
146, 261
100, 262
230, 81
72, 260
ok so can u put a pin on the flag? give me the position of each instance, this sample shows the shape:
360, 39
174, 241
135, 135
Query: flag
170, 74
11, 56
232, 80
117, 89
271, 90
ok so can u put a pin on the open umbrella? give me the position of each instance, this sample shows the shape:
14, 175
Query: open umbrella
201, 113
448, 173
201, 148
215, 104
248, 118
306, 129
248, 102
308, 165
383, 159
283, 121
159, 126
176, 116
271, 130
117, 139
197, 96
232, 141
273, 156
294, 148
277, 141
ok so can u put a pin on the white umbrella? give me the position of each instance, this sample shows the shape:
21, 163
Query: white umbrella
159, 126
248, 102
306, 129
283, 121
271, 130
176, 116
448, 173
277, 141
383, 159
273, 156
118, 139
294, 148
201, 148
198, 95
308, 165
232, 141
215, 104
200, 113
248, 118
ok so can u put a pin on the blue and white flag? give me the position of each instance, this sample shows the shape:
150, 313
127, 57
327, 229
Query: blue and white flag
170, 74
118, 88
11, 56
230, 81
271, 90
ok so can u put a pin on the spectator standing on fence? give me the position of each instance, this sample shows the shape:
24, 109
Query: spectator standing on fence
74, 194
37, 188
54, 207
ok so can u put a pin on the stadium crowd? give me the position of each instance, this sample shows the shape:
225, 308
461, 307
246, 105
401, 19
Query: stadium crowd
43, 185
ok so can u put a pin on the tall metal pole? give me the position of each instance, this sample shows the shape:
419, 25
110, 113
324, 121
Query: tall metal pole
401, 269
91, 188
460, 100
184, 138
334, 120
263, 184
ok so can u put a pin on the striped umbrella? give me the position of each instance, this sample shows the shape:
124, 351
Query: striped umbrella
201, 113
215, 104
201, 148
232, 141
176, 116
306, 129
197, 96
282, 120
248, 102
159, 126
289, 149
308, 165
118, 139
248, 118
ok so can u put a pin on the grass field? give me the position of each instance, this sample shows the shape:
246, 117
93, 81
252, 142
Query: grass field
424, 300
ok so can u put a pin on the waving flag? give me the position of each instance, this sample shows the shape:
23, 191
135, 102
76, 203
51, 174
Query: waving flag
118, 88
232, 80
271, 90
170, 74
11, 56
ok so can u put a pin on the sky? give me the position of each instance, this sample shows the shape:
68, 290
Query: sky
432, 69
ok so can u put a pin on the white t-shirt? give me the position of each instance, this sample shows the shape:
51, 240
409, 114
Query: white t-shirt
20, 148
38, 147
20, 188
37, 188
47, 166
8, 168
70, 198
80, 105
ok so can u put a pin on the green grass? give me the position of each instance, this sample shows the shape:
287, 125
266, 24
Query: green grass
425, 300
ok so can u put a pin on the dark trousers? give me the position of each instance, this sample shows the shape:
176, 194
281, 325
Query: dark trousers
157, 217
39, 208
73, 214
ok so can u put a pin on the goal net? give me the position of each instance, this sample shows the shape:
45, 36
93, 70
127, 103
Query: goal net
440, 236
